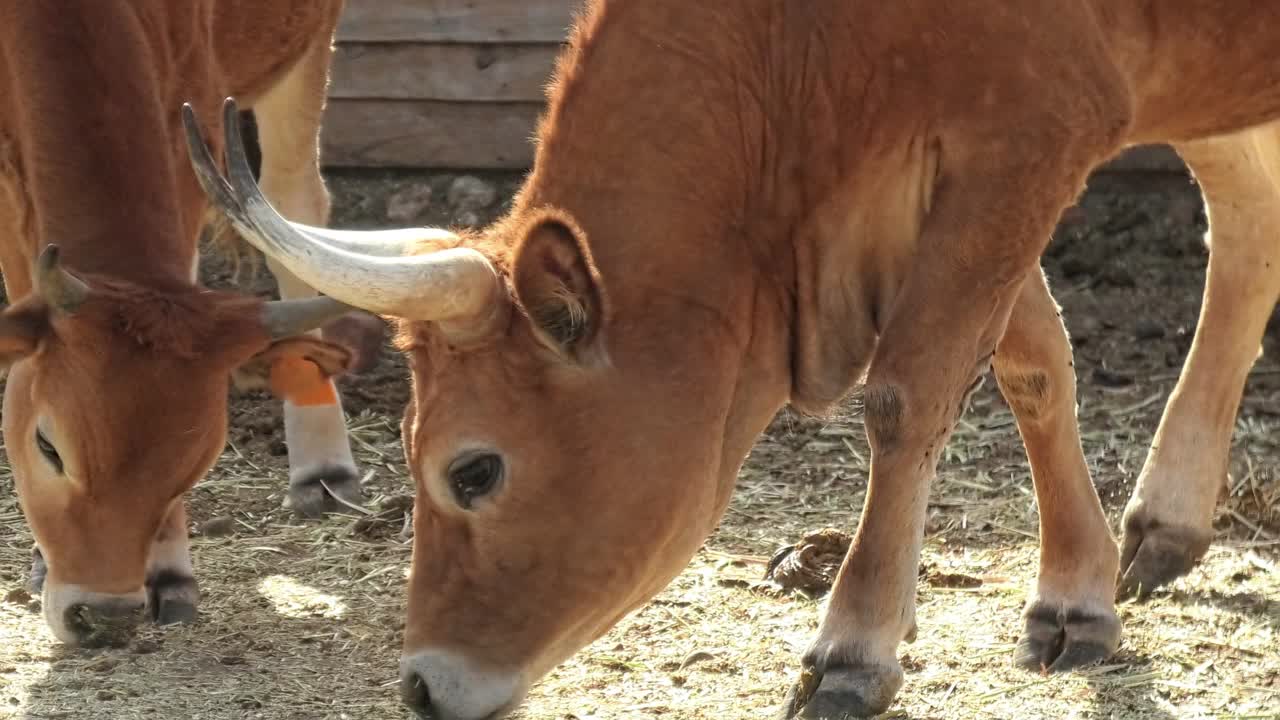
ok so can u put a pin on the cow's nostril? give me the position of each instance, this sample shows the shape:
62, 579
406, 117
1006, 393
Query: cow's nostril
77, 617
415, 694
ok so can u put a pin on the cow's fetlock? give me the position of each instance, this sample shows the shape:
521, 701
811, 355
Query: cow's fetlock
172, 597
327, 489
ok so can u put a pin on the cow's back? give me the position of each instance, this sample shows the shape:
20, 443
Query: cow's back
114, 74
256, 41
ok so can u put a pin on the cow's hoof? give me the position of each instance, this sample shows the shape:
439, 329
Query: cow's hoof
1155, 553
1061, 639
330, 489
35, 583
843, 691
172, 598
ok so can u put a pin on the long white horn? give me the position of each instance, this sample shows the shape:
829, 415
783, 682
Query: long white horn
451, 284
382, 243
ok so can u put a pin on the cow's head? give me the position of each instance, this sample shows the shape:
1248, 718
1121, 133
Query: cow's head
115, 405
566, 467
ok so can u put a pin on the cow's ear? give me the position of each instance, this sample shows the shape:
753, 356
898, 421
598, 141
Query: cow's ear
298, 369
22, 327
558, 285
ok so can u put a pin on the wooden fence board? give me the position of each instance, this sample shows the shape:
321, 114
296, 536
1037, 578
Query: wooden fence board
428, 134
462, 72
454, 21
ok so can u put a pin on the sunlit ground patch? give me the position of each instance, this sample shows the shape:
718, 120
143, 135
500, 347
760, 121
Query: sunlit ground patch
293, 599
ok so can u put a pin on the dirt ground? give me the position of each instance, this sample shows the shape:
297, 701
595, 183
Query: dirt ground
303, 619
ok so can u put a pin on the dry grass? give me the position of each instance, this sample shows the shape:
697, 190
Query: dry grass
303, 620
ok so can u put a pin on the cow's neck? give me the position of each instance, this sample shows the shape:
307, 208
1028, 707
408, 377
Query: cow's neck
657, 159
651, 161
90, 122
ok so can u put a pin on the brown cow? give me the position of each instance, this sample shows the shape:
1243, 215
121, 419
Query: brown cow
119, 362
737, 205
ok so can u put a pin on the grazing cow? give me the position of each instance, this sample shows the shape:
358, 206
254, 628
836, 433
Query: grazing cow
738, 205
118, 361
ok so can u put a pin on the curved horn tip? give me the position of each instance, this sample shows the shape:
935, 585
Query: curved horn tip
59, 288
287, 318
50, 258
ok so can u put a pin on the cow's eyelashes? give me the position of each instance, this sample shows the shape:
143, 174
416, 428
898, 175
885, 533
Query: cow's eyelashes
49, 452
473, 476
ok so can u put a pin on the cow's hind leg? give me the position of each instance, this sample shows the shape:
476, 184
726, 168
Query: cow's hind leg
977, 247
1071, 618
1168, 523
288, 117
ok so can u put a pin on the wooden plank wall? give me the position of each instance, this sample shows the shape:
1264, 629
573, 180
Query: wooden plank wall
459, 84
441, 83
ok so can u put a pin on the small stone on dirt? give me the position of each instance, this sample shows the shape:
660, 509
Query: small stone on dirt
470, 193
1110, 378
403, 502
695, 657
1119, 276
407, 204
1077, 265
145, 647
809, 566
220, 526
952, 580
1148, 330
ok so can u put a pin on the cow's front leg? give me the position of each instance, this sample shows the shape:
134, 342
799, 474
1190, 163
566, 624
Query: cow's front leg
990, 220
1071, 618
172, 593
322, 472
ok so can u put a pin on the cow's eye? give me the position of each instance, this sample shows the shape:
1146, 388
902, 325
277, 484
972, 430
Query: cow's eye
49, 452
473, 476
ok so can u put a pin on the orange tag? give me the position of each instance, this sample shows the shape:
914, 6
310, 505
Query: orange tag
300, 381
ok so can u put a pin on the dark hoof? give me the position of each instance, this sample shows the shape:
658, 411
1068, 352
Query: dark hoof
35, 584
1062, 639
323, 491
1155, 554
360, 332
843, 692
172, 598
